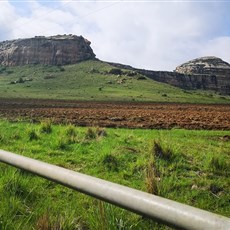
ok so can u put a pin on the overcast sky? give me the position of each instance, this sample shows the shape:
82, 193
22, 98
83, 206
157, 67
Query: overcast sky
157, 35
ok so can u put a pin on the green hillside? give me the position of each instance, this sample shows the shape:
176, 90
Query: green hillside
93, 80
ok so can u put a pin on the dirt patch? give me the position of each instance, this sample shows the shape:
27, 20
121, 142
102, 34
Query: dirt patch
117, 114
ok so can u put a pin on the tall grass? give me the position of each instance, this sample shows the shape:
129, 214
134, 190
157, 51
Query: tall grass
186, 166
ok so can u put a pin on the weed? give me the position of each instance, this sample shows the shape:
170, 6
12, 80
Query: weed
46, 127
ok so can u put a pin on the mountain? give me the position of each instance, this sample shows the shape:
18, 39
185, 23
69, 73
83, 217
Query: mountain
205, 73
54, 50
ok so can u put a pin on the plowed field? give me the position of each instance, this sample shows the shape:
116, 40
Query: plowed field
128, 115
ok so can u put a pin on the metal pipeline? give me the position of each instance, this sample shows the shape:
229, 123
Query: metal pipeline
160, 209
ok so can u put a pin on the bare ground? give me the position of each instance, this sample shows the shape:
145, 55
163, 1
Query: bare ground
119, 114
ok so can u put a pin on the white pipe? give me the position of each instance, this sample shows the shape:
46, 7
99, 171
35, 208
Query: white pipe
160, 209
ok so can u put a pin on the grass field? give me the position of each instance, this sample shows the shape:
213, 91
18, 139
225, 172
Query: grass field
191, 167
93, 80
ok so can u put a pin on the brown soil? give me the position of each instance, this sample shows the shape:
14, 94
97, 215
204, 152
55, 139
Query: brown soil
117, 114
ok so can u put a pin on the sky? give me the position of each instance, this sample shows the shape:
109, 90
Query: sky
148, 34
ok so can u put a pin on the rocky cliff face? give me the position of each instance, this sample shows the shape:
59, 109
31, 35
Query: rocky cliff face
207, 73
205, 65
54, 50
210, 73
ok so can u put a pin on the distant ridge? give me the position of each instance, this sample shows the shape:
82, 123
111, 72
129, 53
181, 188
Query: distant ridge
206, 73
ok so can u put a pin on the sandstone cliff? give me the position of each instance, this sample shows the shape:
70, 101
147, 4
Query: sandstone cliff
205, 65
207, 73
54, 50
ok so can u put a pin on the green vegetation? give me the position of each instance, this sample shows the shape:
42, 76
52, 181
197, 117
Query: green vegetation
188, 166
93, 80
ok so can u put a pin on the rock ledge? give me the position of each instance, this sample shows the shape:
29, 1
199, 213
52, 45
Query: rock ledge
54, 50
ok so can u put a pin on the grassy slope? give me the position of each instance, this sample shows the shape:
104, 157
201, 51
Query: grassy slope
89, 81
196, 173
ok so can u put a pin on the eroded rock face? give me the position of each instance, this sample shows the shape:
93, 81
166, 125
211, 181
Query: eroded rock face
205, 65
207, 73
54, 50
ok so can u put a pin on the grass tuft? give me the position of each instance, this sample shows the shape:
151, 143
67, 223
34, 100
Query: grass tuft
219, 164
71, 131
160, 152
45, 223
90, 134
151, 180
46, 127
101, 132
1, 138
33, 135
71, 134
110, 162
62, 144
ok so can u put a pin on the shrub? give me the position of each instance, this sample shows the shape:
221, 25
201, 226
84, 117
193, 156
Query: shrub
9, 71
115, 71
20, 80
141, 78
62, 69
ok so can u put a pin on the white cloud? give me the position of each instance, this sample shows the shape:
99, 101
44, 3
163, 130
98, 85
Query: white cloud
7, 17
152, 35
219, 47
